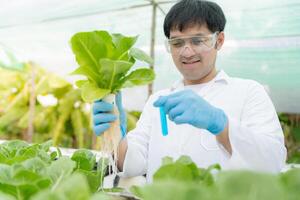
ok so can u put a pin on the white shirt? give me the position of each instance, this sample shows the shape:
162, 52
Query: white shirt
255, 133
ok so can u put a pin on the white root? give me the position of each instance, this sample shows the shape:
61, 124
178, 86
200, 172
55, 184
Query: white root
111, 138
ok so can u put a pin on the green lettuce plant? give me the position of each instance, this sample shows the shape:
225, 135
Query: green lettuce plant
105, 60
33, 171
183, 180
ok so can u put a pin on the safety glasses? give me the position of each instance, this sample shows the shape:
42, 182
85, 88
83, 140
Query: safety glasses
197, 43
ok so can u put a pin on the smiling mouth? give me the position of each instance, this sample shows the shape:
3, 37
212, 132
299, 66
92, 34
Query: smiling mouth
190, 62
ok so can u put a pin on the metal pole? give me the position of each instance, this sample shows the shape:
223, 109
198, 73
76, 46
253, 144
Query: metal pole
152, 45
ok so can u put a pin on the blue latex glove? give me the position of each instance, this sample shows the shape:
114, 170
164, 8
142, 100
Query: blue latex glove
188, 107
102, 116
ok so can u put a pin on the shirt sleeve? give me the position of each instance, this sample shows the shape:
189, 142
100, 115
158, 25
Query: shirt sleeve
256, 138
135, 162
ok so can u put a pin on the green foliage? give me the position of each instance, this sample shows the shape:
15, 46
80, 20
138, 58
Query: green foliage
67, 122
132, 118
30, 172
85, 164
248, 185
184, 169
73, 187
291, 182
84, 159
105, 61
291, 127
182, 180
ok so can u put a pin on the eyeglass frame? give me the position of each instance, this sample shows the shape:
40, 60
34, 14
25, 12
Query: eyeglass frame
210, 36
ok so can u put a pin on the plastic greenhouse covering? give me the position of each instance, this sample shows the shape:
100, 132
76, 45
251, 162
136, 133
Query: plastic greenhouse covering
262, 39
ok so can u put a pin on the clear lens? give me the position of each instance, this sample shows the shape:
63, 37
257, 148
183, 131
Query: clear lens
197, 43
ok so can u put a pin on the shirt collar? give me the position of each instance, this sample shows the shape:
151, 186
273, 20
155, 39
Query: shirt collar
221, 77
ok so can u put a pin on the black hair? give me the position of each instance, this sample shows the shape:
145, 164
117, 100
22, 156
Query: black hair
187, 13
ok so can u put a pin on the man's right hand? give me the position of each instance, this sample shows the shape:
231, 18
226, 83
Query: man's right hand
102, 116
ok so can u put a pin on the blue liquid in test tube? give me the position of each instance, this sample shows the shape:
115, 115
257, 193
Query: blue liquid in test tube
163, 120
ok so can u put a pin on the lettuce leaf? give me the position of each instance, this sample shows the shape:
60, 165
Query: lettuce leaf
105, 60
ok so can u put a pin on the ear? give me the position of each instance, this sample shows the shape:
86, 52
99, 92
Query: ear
220, 40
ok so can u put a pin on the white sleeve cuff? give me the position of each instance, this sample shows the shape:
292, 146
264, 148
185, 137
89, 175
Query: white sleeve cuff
134, 163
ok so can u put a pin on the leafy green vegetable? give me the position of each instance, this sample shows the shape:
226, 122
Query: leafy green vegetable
74, 187
32, 170
291, 184
249, 186
140, 55
22, 167
84, 159
182, 180
60, 168
105, 60
184, 169
4, 196
29, 172
86, 162
170, 190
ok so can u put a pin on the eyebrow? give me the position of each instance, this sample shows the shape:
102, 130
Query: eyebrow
198, 34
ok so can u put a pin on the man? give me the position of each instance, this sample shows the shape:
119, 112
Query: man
213, 118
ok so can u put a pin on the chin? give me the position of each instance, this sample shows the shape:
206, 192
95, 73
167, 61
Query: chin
192, 76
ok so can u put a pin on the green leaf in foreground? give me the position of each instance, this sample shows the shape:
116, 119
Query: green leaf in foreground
87, 72
91, 92
138, 77
122, 44
172, 189
84, 159
4, 196
60, 169
89, 48
291, 184
113, 72
184, 169
74, 187
248, 185
141, 55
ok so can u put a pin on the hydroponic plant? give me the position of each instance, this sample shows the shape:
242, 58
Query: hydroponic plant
105, 60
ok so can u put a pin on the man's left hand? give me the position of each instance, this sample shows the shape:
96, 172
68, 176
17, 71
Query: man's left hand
188, 107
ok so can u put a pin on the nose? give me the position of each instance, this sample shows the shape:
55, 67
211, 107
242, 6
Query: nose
187, 51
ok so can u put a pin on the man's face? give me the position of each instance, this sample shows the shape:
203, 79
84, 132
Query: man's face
195, 56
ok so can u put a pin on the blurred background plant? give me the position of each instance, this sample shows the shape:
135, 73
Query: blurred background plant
291, 127
36, 105
56, 111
